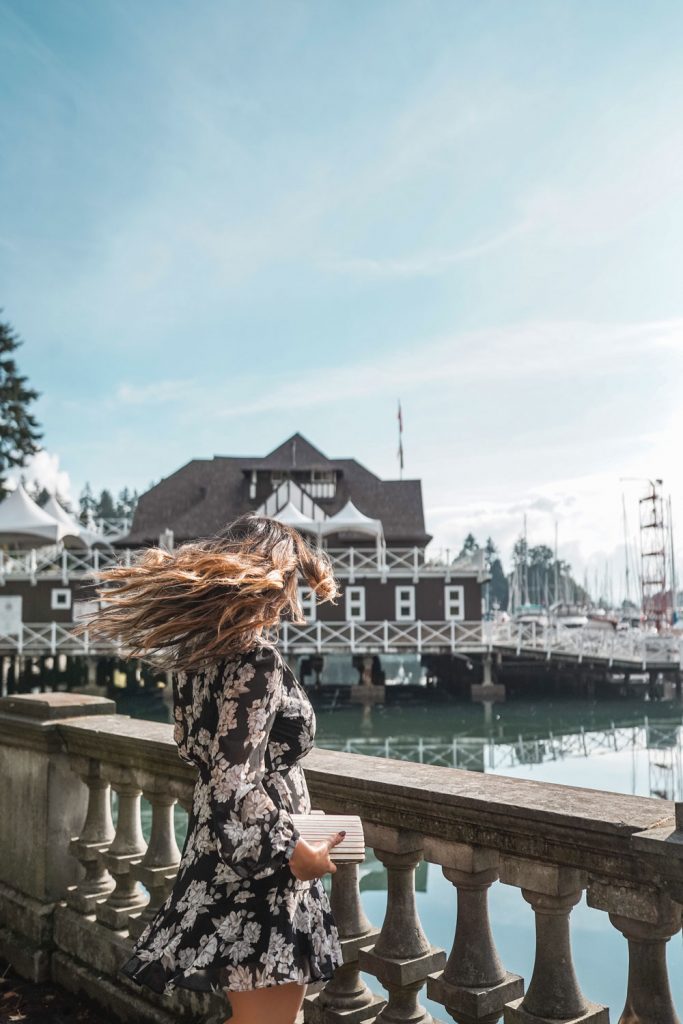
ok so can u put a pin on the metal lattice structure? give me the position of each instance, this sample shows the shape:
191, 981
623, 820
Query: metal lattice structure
653, 558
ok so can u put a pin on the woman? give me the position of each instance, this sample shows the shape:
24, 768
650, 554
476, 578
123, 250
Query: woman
248, 913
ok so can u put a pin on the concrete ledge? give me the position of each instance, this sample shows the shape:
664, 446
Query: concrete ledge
82, 940
392, 971
476, 1003
594, 1014
44, 707
28, 960
29, 918
316, 1013
480, 693
122, 1004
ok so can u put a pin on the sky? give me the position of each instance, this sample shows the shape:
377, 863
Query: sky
221, 223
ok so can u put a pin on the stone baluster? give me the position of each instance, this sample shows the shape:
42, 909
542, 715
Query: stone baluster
95, 837
647, 919
554, 993
346, 998
159, 866
402, 957
125, 853
474, 985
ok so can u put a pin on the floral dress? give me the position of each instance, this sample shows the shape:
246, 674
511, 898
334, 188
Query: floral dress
237, 918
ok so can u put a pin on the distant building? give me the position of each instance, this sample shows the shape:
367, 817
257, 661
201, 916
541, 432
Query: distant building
373, 529
403, 614
202, 496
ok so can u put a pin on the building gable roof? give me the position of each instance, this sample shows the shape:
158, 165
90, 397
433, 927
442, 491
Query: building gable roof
296, 452
201, 497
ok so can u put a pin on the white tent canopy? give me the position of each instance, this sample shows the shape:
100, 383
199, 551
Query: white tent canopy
350, 519
22, 521
291, 516
78, 534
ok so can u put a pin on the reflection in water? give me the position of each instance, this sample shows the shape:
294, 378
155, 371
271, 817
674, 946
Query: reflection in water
660, 741
609, 745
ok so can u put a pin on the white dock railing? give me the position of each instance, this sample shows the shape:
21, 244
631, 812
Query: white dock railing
56, 562
629, 651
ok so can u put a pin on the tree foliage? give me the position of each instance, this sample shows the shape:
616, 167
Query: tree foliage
538, 579
19, 431
106, 506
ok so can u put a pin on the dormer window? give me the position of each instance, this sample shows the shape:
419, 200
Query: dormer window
322, 483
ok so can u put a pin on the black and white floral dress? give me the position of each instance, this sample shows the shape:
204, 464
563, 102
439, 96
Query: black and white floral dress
237, 918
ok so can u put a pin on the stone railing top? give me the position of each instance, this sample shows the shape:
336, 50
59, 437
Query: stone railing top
127, 741
597, 832
50, 706
587, 829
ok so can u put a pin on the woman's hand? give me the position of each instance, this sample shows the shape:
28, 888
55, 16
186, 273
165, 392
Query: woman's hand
311, 860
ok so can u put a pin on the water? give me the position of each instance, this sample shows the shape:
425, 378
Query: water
624, 747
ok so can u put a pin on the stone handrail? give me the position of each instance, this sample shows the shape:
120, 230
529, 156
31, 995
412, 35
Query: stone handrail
552, 842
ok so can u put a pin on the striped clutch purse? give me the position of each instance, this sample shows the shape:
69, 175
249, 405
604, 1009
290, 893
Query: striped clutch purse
317, 826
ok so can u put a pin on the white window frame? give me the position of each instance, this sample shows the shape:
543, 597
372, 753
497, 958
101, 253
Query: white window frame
404, 595
60, 599
453, 593
355, 604
308, 602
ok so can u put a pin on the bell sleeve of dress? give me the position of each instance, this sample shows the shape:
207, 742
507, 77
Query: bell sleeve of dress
255, 836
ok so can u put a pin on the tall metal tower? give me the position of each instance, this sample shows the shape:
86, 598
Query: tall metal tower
654, 557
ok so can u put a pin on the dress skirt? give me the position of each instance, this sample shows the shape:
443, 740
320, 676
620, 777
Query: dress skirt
237, 918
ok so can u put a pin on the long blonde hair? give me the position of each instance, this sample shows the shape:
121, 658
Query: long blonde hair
211, 598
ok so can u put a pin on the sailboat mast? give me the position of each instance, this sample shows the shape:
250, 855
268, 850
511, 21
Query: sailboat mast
525, 563
557, 569
626, 558
674, 585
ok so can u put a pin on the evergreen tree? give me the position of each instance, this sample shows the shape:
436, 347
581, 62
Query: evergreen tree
126, 503
105, 508
19, 431
469, 546
498, 587
86, 505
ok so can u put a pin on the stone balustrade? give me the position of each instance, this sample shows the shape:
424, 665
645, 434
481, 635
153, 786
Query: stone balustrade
75, 890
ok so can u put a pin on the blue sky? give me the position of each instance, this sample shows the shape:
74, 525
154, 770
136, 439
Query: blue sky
224, 222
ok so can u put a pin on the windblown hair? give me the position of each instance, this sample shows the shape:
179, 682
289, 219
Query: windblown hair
212, 598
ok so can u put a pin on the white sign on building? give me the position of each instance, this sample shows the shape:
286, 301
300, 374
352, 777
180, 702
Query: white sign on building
10, 616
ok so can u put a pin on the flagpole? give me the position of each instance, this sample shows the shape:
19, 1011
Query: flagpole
400, 440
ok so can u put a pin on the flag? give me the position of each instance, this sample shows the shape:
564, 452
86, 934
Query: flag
400, 435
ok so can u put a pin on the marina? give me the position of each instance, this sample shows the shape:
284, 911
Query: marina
351, 331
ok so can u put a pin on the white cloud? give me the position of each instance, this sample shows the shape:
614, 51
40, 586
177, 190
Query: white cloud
426, 264
43, 470
156, 392
525, 351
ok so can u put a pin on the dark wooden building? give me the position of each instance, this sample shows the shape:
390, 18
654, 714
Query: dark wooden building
391, 587
404, 614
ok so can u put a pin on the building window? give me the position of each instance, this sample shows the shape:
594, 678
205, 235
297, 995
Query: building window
355, 604
405, 603
84, 609
454, 603
322, 484
60, 599
308, 603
